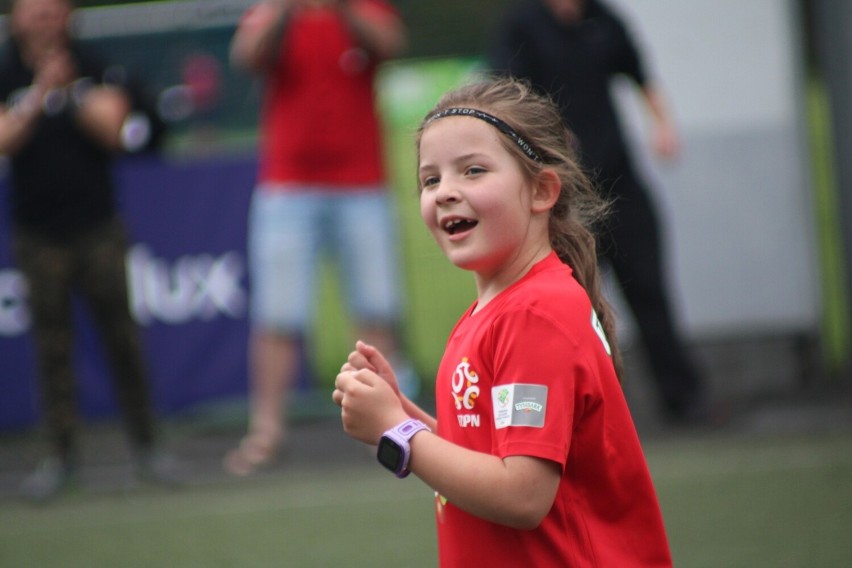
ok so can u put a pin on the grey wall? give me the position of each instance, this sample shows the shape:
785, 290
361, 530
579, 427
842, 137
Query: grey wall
737, 203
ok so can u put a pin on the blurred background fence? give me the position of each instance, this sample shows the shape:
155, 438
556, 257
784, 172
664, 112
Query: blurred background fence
754, 210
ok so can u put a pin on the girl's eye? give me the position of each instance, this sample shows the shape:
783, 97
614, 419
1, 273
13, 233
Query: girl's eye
474, 170
429, 180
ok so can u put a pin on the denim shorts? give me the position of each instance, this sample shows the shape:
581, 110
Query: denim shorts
292, 229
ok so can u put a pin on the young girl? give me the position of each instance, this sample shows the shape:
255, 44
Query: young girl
533, 456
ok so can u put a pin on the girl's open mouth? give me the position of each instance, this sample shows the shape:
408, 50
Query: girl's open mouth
458, 225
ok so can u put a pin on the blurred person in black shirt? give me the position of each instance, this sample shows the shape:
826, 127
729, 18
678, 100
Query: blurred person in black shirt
64, 117
571, 50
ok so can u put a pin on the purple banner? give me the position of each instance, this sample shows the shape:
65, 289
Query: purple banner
188, 283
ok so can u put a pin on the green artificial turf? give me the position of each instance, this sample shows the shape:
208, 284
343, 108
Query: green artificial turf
727, 501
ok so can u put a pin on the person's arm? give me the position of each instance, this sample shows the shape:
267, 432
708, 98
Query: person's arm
107, 111
102, 113
664, 135
18, 122
382, 34
255, 42
517, 491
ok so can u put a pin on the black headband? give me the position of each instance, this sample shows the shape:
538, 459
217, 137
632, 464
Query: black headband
525, 146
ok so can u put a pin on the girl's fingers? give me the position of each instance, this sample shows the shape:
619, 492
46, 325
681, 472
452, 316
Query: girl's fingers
374, 357
337, 397
359, 361
347, 380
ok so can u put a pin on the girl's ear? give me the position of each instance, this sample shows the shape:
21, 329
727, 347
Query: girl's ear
546, 190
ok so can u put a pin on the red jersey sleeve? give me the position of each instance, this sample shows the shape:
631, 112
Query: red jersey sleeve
539, 367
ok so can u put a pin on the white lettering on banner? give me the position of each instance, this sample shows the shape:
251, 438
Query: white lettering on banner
194, 287
14, 312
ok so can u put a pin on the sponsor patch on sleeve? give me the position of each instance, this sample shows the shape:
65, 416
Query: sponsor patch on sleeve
519, 404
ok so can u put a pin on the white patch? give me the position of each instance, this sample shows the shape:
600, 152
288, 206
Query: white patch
519, 404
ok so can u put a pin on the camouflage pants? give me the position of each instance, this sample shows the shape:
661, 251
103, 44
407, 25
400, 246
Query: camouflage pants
93, 266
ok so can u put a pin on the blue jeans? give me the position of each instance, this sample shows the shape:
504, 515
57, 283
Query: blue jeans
289, 232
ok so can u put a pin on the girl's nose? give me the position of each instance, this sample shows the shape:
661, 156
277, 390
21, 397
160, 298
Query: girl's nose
446, 192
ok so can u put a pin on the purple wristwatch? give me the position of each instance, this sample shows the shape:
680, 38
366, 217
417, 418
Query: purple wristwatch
394, 451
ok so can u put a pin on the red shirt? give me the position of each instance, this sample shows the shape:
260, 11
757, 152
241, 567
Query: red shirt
531, 375
319, 122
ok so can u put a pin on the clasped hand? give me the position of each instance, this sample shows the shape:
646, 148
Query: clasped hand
367, 392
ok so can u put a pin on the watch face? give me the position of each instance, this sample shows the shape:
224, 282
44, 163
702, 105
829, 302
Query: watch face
390, 454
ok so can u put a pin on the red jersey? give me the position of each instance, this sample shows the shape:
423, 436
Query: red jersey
530, 374
319, 121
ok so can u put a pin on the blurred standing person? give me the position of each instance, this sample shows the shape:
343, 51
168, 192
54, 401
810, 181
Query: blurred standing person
571, 49
64, 116
321, 186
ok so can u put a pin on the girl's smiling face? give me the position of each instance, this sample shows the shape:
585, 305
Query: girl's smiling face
475, 199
